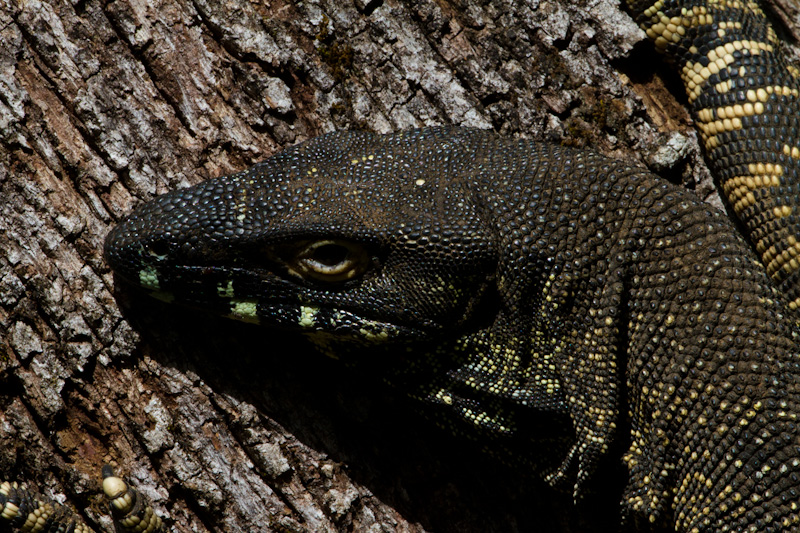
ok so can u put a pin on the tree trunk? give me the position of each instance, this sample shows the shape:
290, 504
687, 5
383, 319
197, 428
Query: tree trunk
224, 426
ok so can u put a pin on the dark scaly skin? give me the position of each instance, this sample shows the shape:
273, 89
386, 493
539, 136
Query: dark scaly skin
745, 97
559, 295
23, 511
530, 293
131, 511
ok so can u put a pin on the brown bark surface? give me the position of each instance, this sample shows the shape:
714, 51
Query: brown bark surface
229, 427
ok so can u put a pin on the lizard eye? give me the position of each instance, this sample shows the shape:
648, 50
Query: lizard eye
329, 261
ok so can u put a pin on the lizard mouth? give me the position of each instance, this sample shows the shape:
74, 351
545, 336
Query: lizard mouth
273, 298
339, 286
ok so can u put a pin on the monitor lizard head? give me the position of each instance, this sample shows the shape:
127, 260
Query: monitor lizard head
346, 234
443, 245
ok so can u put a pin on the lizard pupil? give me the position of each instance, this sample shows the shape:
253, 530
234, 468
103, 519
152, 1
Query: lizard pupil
330, 255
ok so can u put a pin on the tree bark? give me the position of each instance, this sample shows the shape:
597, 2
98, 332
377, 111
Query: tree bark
224, 426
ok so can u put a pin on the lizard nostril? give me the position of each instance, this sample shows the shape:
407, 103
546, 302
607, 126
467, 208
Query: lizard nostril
158, 248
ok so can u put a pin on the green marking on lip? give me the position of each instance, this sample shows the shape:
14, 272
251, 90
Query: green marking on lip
148, 278
245, 310
308, 315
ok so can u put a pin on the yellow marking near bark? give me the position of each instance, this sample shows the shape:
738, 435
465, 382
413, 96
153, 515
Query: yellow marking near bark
695, 74
787, 260
739, 189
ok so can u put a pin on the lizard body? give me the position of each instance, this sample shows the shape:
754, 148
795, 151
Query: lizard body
532, 290
24, 511
534, 294
744, 97
539, 294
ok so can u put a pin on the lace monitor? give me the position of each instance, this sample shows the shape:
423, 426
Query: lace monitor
22, 510
523, 290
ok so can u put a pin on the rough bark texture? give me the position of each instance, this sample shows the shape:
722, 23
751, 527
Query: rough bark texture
105, 104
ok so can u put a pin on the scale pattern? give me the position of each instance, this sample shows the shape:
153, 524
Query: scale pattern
21, 510
537, 297
744, 97
526, 293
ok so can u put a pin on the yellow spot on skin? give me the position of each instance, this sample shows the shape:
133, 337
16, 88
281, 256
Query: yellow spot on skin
373, 336
792, 151
419, 182
788, 259
724, 87
739, 189
244, 310
116, 490
308, 316
10, 510
444, 396
148, 278
695, 74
